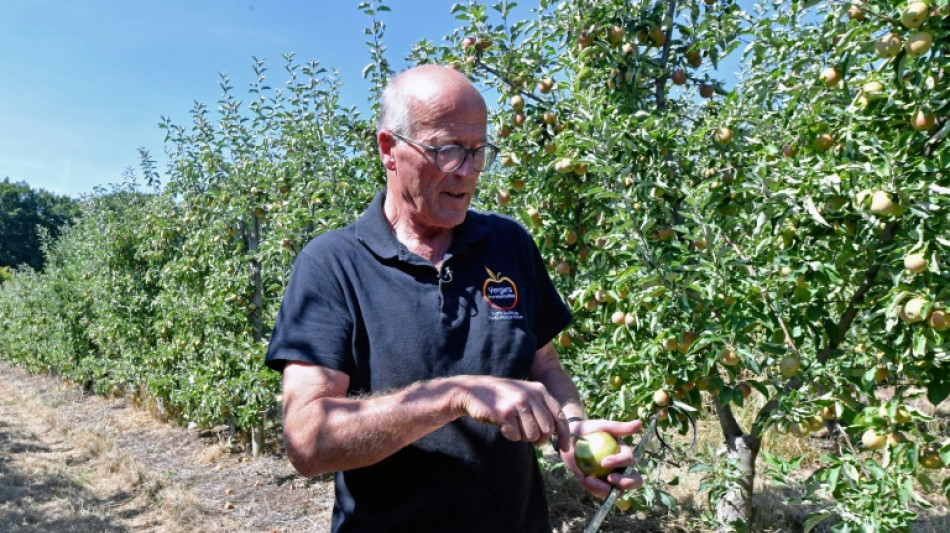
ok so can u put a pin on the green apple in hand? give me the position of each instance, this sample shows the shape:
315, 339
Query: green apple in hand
591, 449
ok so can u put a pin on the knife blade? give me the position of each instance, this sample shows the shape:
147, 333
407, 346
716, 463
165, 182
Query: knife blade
614, 493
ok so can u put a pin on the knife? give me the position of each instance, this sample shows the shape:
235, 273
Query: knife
614, 493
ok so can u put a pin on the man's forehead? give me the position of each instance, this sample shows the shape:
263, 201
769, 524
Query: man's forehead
450, 116
449, 104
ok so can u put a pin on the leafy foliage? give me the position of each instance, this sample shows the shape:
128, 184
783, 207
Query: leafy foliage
717, 244
713, 243
26, 217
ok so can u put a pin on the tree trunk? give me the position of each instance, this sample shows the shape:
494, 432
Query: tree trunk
257, 440
734, 510
254, 241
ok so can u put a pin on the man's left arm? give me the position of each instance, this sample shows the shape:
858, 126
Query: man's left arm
547, 369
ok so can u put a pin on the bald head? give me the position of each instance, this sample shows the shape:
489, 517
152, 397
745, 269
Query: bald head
423, 92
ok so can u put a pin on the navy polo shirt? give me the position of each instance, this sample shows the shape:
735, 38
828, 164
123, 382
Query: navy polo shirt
360, 302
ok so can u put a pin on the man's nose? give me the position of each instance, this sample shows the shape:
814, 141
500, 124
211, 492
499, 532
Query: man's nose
467, 168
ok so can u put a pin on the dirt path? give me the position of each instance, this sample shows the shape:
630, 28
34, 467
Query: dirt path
70, 462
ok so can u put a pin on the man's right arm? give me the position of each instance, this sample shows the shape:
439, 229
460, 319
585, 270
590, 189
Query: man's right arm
324, 430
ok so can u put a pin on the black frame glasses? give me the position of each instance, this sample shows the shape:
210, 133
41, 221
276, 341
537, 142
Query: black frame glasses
482, 156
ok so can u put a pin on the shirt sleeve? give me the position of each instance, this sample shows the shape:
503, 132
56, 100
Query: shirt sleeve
315, 323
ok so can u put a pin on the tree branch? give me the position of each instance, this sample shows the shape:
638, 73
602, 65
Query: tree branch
867, 281
765, 296
730, 426
661, 81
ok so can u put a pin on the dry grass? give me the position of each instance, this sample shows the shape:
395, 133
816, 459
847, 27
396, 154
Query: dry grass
57, 475
212, 454
71, 462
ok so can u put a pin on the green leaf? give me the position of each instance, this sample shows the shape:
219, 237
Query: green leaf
832, 477
938, 389
945, 454
814, 520
813, 211
899, 68
699, 467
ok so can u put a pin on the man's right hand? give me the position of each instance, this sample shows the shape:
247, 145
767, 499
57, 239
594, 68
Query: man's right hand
324, 430
523, 410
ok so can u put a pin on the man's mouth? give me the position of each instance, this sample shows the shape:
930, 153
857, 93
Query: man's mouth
456, 195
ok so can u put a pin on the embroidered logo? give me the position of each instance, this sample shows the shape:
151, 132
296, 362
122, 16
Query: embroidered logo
501, 293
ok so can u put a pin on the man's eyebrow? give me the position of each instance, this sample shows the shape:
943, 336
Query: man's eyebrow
455, 140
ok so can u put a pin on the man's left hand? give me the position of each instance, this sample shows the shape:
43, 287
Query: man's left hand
619, 460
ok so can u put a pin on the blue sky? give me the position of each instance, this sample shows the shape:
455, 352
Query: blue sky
84, 83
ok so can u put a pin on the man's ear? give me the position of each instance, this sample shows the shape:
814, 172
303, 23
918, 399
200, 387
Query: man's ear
385, 142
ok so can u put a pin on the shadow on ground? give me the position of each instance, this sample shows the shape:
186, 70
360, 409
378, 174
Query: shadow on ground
44, 497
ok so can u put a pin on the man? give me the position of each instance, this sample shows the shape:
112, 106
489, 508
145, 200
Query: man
415, 344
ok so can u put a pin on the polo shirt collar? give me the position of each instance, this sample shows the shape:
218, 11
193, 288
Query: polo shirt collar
374, 232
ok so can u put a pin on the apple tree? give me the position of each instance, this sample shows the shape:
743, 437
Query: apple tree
169, 295
785, 238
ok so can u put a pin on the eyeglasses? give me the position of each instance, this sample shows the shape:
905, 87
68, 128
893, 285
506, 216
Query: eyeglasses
449, 158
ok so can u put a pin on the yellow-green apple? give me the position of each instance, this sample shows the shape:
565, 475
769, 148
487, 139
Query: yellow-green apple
873, 90
914, 15
661, 397
723, 136
912, 310
789, 365
930, 459
873, 440
882, 204
922, 120
728, 357
916, 263
888, 45
615, 35
823, 142
564, 165
830, 76
590, 449
799, 428
919, 43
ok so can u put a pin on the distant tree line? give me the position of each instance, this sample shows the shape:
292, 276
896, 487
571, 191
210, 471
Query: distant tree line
26, 214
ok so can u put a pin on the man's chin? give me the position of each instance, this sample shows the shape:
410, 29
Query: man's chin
450, 219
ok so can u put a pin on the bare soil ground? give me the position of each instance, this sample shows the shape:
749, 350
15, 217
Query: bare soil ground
71, 462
